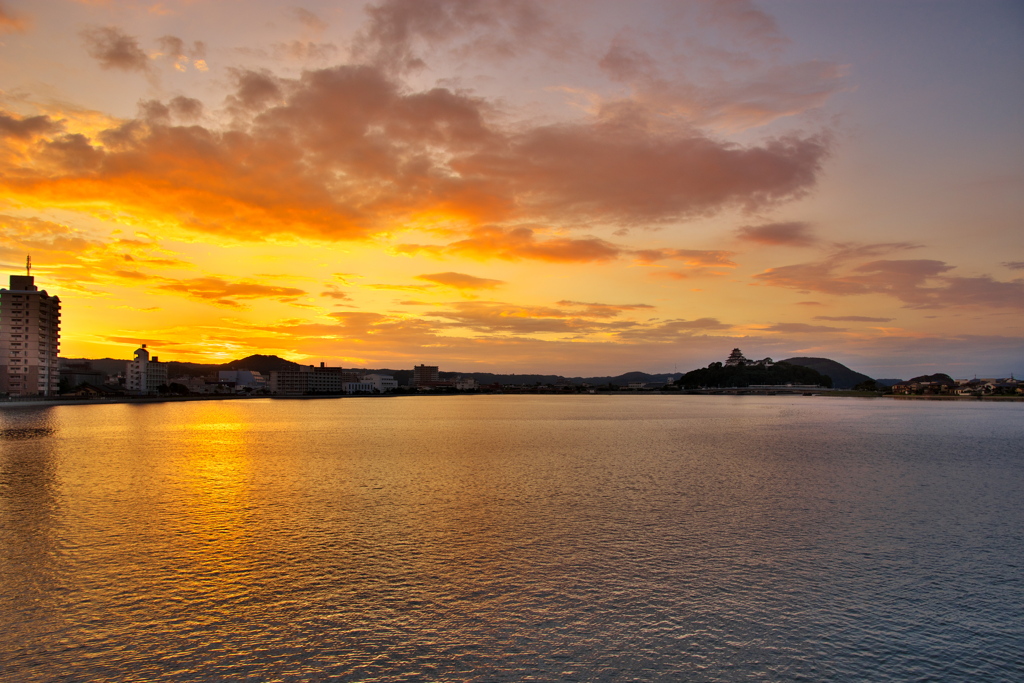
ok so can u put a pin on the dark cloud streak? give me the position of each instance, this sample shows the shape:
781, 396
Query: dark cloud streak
792, 234
918, 283
115, 49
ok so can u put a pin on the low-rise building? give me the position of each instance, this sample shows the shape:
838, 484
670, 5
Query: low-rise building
243, 379
195, 385
381, 383
74, 375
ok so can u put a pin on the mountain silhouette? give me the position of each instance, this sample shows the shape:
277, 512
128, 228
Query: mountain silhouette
842, 376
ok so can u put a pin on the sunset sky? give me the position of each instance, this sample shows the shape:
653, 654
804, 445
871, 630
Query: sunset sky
575, 187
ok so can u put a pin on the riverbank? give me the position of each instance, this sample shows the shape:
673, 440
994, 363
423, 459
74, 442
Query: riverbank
36, 402
17, 403
902, 397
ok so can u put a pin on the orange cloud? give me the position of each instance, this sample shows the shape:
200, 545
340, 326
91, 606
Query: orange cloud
135, 341
220, 291
793, 234
334, 292
697, 258
498, 317
598, 310
348, 152
70, 257
12, 23
400, 288
673, 330
622, 172
461, 281
852, 319
521, 243
514, 244
28, 127
918, 283
800, 328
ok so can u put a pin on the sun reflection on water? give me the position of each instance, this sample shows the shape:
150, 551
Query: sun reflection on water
457, 539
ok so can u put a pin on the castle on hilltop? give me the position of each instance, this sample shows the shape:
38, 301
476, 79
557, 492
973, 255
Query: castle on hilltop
736, 358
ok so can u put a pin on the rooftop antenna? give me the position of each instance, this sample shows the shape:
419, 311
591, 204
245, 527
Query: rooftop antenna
28, 265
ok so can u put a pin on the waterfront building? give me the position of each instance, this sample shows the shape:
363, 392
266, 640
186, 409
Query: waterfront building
307, 380
243, 379
381, 383
466, 384
74, 374
145, 375
358, 387
195, 385
29, 339
425, 376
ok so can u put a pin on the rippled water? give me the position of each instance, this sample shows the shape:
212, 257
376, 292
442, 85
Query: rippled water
506, 538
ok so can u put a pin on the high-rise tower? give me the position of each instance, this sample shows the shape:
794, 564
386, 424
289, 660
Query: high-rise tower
29, 339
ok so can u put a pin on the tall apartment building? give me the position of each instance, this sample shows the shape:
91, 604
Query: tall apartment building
29, 339
144, 375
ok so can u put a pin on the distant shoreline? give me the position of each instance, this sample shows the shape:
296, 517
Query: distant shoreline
8, 403
17, 403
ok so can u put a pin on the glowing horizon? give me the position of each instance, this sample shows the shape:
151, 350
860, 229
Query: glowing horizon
521, 187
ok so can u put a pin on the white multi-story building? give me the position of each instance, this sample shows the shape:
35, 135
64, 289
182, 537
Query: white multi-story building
358, 387
144, 375
29, 339
381, 383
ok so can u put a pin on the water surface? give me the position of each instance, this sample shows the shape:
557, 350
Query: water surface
504, 538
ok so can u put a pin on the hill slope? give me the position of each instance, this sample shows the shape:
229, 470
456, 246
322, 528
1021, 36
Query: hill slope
842, 376
718, 375
260, 363
940, 377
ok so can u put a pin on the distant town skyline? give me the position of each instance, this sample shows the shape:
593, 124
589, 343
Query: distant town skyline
570, 188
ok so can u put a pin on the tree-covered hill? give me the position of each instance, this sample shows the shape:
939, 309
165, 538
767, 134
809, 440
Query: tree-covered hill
719, 375
260, 363
842, 376
939, 377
